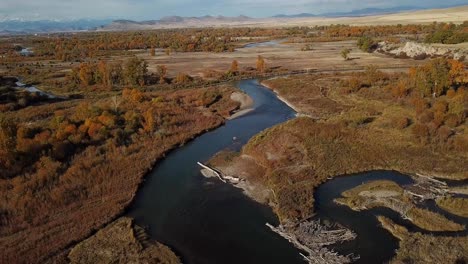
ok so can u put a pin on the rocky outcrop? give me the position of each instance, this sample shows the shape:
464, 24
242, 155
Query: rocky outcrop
416, 50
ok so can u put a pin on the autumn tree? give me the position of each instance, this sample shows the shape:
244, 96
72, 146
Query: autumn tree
234, 67
86, 74
400, 89
260, 64
162, 72
116, 74
148, 122
135, 71
182, 78
433, 78
133, 95
104, 74
457, 74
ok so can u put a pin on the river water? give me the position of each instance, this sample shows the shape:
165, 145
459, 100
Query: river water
205, 221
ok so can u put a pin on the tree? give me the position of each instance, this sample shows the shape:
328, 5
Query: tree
116, 74
433, 78
345, 54
182, 78
458, 74
135, 71
234, 67
148, 122
86, 74
133, 95
162, 71
260, 64
104, 76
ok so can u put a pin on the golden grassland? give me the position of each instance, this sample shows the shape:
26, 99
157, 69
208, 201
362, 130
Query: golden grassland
422, 248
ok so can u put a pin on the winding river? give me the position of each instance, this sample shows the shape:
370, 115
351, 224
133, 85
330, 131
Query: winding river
206, 221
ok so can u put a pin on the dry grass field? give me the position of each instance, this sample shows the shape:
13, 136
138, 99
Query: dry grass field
324, 56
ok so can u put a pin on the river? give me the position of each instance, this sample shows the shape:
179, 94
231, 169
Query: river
206, 221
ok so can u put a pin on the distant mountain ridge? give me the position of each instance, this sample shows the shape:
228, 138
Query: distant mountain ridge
43, 26
359, 12
180, 19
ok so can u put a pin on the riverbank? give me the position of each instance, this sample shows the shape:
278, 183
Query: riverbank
281, 98
424, 248
121, 242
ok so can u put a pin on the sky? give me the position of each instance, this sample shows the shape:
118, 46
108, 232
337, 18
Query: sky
155, 9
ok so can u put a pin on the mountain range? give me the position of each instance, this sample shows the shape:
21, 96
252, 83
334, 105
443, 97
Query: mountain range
44, 26
354, 13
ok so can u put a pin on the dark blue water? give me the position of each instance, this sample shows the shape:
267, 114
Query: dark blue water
272, 43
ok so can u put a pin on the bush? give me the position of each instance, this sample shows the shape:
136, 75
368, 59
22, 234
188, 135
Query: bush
443, 133
452, 120
366, 44
460, 143
421, 132
426, 117
401, 122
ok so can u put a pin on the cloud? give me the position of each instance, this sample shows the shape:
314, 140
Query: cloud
153, 9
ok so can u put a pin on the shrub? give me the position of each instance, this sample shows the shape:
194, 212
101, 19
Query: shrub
419, 104
443, 133
452, 120
460, 143
366, 44
426, 116
401, 122
421, 132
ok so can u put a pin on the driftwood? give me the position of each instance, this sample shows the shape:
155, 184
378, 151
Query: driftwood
219, 174
311, 237
426, 188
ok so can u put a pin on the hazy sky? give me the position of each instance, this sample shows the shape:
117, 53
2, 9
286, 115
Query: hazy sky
154, 9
